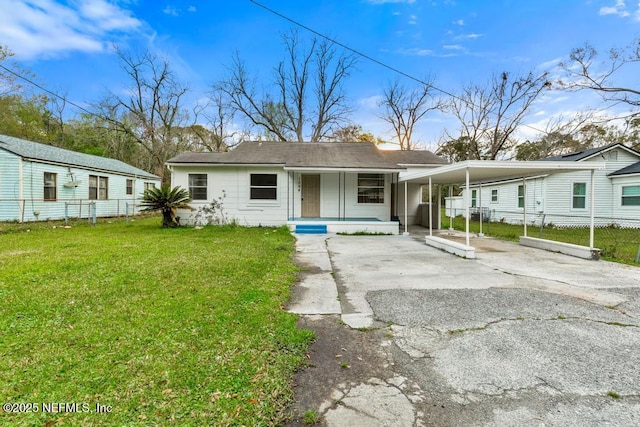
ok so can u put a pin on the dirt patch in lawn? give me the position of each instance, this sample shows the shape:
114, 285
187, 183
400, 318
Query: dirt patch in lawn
340, 355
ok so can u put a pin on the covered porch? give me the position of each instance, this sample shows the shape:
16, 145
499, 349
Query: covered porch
478, 171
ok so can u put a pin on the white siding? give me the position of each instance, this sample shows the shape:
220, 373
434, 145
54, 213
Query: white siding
231, 186
10, 204
33, 207
552, 195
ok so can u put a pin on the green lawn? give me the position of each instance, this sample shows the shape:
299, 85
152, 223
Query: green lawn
617, 244
167, 326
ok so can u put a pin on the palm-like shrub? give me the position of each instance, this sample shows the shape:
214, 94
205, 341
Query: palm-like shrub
168, 201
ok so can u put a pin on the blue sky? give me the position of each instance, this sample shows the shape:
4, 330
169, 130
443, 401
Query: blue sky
67, 43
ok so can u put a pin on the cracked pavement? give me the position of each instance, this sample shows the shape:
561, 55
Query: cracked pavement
518, 336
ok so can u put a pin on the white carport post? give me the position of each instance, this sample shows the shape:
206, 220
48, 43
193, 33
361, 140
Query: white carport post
430, 209
406, 215
466, 204
451, 211
592, 209
524, 204
480, 234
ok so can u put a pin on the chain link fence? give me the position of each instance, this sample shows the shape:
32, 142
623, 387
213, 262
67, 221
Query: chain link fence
29, 210
617, 237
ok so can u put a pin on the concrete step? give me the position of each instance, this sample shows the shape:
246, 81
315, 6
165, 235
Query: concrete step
311, 229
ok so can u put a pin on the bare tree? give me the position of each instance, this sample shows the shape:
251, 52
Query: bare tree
309, 100
404, 108
490, 115
585, 72
152, 110
561, 135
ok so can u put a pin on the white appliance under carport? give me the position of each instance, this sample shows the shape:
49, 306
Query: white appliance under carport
491, 170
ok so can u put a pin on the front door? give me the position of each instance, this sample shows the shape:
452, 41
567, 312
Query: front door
311, 196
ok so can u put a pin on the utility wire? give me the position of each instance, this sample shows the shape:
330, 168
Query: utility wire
376, 61
58, 96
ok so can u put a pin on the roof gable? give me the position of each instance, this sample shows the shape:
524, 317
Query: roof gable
48, 153
310, 155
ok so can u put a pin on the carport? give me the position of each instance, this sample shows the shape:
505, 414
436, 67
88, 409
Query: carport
479, 171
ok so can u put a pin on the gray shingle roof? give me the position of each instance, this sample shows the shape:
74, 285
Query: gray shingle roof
631, 169
48, 153
310, 155
588, 153
413, 157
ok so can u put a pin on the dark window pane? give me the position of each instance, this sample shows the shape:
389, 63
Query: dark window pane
198, 193
264, 180
258, 193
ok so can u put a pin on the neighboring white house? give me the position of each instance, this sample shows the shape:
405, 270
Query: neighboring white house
309, 186
563, 199
41, 182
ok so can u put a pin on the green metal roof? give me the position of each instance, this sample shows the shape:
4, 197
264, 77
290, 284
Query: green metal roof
47, 153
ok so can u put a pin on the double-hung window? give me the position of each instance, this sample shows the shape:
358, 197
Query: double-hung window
370, 188
129, 186
264, 186
521, 196
98, 187
198, 186
494, 195
579, 195
50, 186
631, 195
474, 198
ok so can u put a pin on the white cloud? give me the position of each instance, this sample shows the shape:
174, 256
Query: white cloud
459, 22
170, 10
620, 9
45, 28
191, 9
453, 47
416, 52
413, 20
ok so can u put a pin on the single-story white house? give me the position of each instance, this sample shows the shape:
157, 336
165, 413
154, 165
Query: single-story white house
311, 187
562, 199
41, 182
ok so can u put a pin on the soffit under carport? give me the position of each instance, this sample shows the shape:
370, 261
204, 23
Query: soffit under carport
493, 170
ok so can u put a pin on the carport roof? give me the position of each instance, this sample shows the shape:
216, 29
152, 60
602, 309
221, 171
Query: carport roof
491, 170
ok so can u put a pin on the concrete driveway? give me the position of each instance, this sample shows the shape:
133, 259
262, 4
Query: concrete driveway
518, 336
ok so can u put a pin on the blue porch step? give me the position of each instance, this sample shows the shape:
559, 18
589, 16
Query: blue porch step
311, 229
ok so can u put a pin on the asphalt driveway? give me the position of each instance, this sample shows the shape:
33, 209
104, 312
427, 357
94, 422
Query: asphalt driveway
518, 336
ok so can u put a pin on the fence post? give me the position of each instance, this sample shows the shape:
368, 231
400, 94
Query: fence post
66, 213
638, 255
126, 212
541, 225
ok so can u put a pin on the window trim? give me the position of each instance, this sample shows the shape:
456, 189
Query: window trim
497, 194
474, 198
381, 188
520, 197
129, 187
54, 187
259, 186
583, 196
192, 187
629, 196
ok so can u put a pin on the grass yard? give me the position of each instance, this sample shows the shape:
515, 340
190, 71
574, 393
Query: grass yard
164, 326
617, 244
